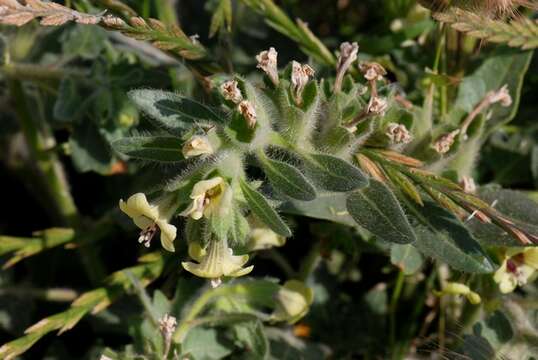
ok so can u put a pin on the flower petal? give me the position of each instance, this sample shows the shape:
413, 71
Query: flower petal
168, 235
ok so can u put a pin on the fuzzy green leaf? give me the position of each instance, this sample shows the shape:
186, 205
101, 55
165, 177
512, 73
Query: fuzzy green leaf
172, 111
376, 209
288, 180
444, 237
406, 257
154, 148
259, 206
334, 174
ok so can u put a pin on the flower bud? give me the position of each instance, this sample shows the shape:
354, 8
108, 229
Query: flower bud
292, 301
398, 134
300, 74
249, 113
443, 144
267, 61
502, 95
231, 92
453, 288
348, 54
372, 71
261, 237
196, 146
377, 105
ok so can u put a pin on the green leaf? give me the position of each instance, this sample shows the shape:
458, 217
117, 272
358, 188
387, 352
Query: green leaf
326, 206
89, 149
261, 208
505, 68
252, 336
376, 209
154, 148
514, 204
406, 257
239, 229
334, 174
203, 344
172, 111
222, 17
288, 180
444, 237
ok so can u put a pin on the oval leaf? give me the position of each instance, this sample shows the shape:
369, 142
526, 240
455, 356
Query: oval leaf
155, 148
288, 180
172, 111
334, 174
376, 209
444, 237
261, 208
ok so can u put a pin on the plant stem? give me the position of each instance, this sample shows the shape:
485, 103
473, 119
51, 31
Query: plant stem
392, 311
280, 261
197, 307
310, 262
52, 175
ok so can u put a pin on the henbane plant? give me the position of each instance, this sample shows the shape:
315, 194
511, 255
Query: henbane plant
347, 148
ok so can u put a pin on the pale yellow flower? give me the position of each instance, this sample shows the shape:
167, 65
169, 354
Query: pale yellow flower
196, 146
152, 217
206, 196
517, 268
292, 301
454, 288
216, 261
261, 237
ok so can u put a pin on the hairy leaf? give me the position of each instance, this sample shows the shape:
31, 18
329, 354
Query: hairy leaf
154, 148
376, 209
172, 111
259, 206
288, 180
334, 174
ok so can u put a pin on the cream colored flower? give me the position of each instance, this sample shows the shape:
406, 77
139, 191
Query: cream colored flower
443, 144
453, 288
261, 237
377, 105
216, 261
292, 301
300, 74
231, 92
398, 134
152, 217
372, 71
348, 54
267, 61
196, 146
518, 266
206, 196
249, 113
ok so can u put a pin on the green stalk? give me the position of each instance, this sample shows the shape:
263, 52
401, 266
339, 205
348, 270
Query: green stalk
196, 308
52, 175
310, 262
392, 311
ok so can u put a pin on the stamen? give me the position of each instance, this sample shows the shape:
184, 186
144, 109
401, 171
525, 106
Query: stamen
147, 234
